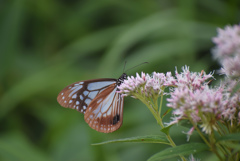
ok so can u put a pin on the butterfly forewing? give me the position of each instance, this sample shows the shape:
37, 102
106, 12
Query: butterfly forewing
105, 112
79, 95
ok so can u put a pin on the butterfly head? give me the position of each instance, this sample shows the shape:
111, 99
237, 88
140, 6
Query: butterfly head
121, 79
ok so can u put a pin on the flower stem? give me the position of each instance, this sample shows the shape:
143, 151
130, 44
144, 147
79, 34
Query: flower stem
213, 146
210, 145
199, 131
160, 106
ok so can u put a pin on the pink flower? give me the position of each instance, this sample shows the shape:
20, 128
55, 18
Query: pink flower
231, 66
230, 111
227, 42
191, 158
146, 84
189, 133
227, 50
192, 80
193, 99
202, 106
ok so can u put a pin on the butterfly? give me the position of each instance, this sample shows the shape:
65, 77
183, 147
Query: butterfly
98, 100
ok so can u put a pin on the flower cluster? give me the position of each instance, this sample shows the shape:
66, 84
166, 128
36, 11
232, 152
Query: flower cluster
231, 111
190, 96
192, 80
193, 99
146, 85
204, 105
227, 50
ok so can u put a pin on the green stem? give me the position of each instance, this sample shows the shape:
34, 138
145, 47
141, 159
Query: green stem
160, 106
211, 146
199, 132
159, 121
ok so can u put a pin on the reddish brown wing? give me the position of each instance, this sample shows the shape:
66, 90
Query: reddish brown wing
105, 112
80, 94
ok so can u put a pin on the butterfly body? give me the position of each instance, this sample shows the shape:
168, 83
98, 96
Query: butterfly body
98, 100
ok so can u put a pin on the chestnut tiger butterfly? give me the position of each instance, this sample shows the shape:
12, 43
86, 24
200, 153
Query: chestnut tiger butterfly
98, 100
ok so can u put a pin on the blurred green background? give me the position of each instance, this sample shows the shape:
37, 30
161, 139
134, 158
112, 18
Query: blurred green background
46, 45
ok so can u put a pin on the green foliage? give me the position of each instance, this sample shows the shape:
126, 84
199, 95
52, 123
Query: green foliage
185, 149
230, 137
15, 146
165, 130
46, 45
140, 139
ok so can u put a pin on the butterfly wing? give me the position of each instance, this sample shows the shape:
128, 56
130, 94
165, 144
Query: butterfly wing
105, 112
79, 95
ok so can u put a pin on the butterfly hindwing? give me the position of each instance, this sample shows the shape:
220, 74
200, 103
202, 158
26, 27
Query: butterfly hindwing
105, 112
79, 95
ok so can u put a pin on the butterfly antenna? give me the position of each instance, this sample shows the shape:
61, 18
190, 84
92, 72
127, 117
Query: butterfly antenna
124, 65
135, 66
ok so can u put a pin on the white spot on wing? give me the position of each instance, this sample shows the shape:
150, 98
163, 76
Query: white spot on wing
81, 97
97, 112
77, 102
70, 101
74, 96
85, 93
62, 93
87, 101
63, 97
75, 89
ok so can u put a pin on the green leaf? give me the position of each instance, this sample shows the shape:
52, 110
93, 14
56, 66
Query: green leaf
232, 137
185, 149
166, 130
140, 139
235, 146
